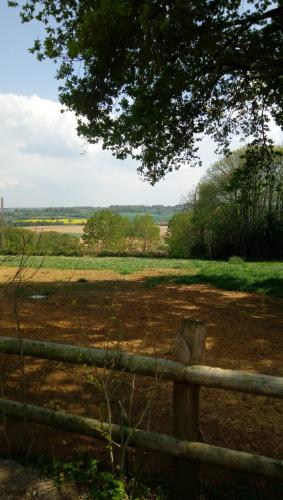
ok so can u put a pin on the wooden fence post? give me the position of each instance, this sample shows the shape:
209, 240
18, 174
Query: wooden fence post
188, 349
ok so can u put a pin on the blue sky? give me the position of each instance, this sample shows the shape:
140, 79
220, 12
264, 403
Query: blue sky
43, 162
21, 73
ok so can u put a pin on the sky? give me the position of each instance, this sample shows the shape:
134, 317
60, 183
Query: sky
42, 160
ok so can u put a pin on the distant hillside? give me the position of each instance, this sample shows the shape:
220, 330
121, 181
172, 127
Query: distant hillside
75, 215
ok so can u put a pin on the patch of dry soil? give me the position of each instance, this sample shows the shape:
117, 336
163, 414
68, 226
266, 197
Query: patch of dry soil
24, 483
244, 332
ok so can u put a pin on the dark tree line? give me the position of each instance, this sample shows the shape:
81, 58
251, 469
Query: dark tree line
237, 209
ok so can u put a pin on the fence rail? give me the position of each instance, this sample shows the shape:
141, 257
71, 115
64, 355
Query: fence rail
151, 441
187, 374
207, 376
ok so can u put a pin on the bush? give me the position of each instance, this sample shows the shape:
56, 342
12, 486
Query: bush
23, 241
145, 233
236, 260
106, 231
153, 254
98, 483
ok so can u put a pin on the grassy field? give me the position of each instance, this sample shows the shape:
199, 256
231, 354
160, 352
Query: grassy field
259, 277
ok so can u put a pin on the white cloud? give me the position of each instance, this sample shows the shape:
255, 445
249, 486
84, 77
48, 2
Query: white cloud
9, 183
41, 162
276, 133
36, 126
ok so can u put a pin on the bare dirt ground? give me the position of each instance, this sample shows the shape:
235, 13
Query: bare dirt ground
244, 332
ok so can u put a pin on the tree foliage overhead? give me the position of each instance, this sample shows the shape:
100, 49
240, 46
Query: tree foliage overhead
149, 77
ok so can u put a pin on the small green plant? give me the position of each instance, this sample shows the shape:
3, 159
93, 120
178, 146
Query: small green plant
236, 260
98, 483
87, 474
108, 487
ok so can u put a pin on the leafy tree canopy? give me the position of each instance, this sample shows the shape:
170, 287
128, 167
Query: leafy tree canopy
180, 237
149, 77
144, 228
236, 211
106, 230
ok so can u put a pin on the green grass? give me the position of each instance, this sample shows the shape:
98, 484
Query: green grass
260, 277
264, 278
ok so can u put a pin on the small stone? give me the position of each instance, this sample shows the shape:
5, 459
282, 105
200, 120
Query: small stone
44, 490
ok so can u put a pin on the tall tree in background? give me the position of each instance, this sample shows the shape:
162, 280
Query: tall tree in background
106, 231
180, 238
146, 232
238, 207
149, 77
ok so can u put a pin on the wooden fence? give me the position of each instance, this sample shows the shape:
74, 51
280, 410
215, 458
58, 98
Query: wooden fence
187, 374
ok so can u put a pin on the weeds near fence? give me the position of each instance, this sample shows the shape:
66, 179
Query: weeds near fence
118, 389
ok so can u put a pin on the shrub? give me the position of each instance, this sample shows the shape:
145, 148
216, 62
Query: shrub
23, 241
98, 483
236, 260
106, 231
145, 233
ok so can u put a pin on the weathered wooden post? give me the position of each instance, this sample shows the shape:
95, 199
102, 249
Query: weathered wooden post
188, 349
